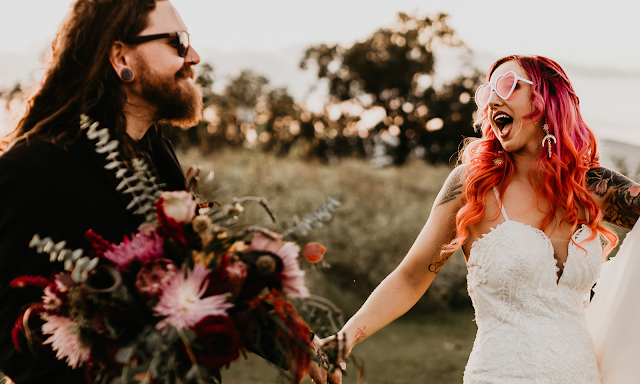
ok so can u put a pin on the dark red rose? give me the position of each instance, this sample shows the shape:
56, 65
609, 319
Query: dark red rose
218, 341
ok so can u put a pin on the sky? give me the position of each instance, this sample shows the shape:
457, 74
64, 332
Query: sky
600, 38
592, 33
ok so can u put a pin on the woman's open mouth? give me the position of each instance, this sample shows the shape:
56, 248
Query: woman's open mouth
504, 123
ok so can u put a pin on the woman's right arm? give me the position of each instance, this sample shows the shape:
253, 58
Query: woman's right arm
400, 291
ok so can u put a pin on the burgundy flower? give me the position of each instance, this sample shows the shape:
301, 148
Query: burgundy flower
220, 342
229, 276
154, 276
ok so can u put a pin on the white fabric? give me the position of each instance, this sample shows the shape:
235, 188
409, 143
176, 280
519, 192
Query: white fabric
531, 326
614, 314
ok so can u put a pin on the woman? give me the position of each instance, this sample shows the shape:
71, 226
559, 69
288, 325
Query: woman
526, 207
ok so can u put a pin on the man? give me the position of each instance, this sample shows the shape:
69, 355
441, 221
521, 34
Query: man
127, 64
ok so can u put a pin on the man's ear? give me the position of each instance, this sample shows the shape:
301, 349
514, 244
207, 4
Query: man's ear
119, 58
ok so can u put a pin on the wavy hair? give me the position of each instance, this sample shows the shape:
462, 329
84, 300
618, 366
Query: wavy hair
564, 174
79, 77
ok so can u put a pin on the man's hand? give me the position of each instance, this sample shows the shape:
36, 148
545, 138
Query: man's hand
320, 369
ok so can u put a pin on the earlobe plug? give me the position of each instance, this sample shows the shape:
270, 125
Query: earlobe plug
126, 74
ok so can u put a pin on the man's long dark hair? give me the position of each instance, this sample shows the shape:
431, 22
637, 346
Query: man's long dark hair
79, 78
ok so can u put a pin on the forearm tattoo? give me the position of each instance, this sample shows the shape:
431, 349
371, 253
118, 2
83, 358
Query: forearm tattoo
453, 187
360, 335
435, 267
622, 205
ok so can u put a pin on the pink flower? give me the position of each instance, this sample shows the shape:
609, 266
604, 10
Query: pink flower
65, 340
154, 276
50, 299
142, 246
237, 272
266, 243
293, 280
288, 252
178, 205
182, 303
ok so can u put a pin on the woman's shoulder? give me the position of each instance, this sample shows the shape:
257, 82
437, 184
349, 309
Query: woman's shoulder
603, 181
453, 187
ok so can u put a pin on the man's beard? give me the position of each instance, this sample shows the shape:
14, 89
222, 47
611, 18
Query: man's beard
177, 100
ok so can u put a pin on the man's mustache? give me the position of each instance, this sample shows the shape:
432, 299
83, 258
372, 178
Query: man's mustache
186, 72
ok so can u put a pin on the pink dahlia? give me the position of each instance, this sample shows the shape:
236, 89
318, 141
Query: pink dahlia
144, 246
182, 304
65, 339
288, 252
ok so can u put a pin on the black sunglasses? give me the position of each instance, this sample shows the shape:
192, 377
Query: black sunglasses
182, 37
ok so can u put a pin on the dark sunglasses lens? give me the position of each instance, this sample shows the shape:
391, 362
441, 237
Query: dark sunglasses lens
183, 44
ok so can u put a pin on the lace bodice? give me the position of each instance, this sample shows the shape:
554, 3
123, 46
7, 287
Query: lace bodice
531, 326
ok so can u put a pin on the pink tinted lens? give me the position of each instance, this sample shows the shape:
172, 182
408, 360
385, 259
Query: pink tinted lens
504, 85
482, 95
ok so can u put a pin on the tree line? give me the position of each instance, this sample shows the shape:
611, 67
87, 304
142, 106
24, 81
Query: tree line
385, 102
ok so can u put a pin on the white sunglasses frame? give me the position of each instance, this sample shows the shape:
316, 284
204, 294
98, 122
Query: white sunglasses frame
493, 88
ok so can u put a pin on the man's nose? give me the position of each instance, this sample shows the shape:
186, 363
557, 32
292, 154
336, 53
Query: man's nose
192, 57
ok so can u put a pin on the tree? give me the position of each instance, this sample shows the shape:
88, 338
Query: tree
394, 71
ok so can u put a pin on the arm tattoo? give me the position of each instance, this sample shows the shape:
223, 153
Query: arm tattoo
321, 360
622, 206
435, 267
360, 335
453, 188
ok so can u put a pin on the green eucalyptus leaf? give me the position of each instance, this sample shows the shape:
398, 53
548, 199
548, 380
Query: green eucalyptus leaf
124, 354
192, 372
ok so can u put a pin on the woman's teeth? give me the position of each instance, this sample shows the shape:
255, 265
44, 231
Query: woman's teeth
502, 120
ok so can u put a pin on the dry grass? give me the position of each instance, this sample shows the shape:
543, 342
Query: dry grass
415, 349
382, 212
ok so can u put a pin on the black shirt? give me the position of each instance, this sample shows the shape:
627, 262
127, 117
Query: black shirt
61, 194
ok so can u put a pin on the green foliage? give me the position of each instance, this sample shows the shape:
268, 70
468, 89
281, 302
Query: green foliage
394, 69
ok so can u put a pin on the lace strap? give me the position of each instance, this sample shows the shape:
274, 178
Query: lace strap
504, 213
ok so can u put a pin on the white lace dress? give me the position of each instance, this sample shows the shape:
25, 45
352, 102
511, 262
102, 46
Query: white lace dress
531, 326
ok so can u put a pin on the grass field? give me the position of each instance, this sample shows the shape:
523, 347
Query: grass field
417, 348
383, 210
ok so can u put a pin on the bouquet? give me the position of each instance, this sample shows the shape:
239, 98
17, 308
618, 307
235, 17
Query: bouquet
181, 298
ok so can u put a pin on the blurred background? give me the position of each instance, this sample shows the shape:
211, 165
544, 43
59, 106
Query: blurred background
366, 101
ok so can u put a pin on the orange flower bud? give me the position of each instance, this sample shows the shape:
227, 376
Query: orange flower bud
313, 252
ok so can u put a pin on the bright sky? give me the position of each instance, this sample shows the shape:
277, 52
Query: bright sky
587, 32
576, 33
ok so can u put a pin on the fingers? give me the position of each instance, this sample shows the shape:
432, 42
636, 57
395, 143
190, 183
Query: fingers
335, 377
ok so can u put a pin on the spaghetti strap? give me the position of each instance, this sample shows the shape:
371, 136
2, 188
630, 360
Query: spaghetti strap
504, 213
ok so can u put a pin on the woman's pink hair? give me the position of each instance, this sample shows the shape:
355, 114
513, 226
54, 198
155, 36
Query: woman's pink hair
573, 155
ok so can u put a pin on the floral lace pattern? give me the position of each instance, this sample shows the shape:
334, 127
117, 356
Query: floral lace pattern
531, 325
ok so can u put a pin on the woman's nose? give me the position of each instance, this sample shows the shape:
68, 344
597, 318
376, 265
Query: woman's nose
494, 99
